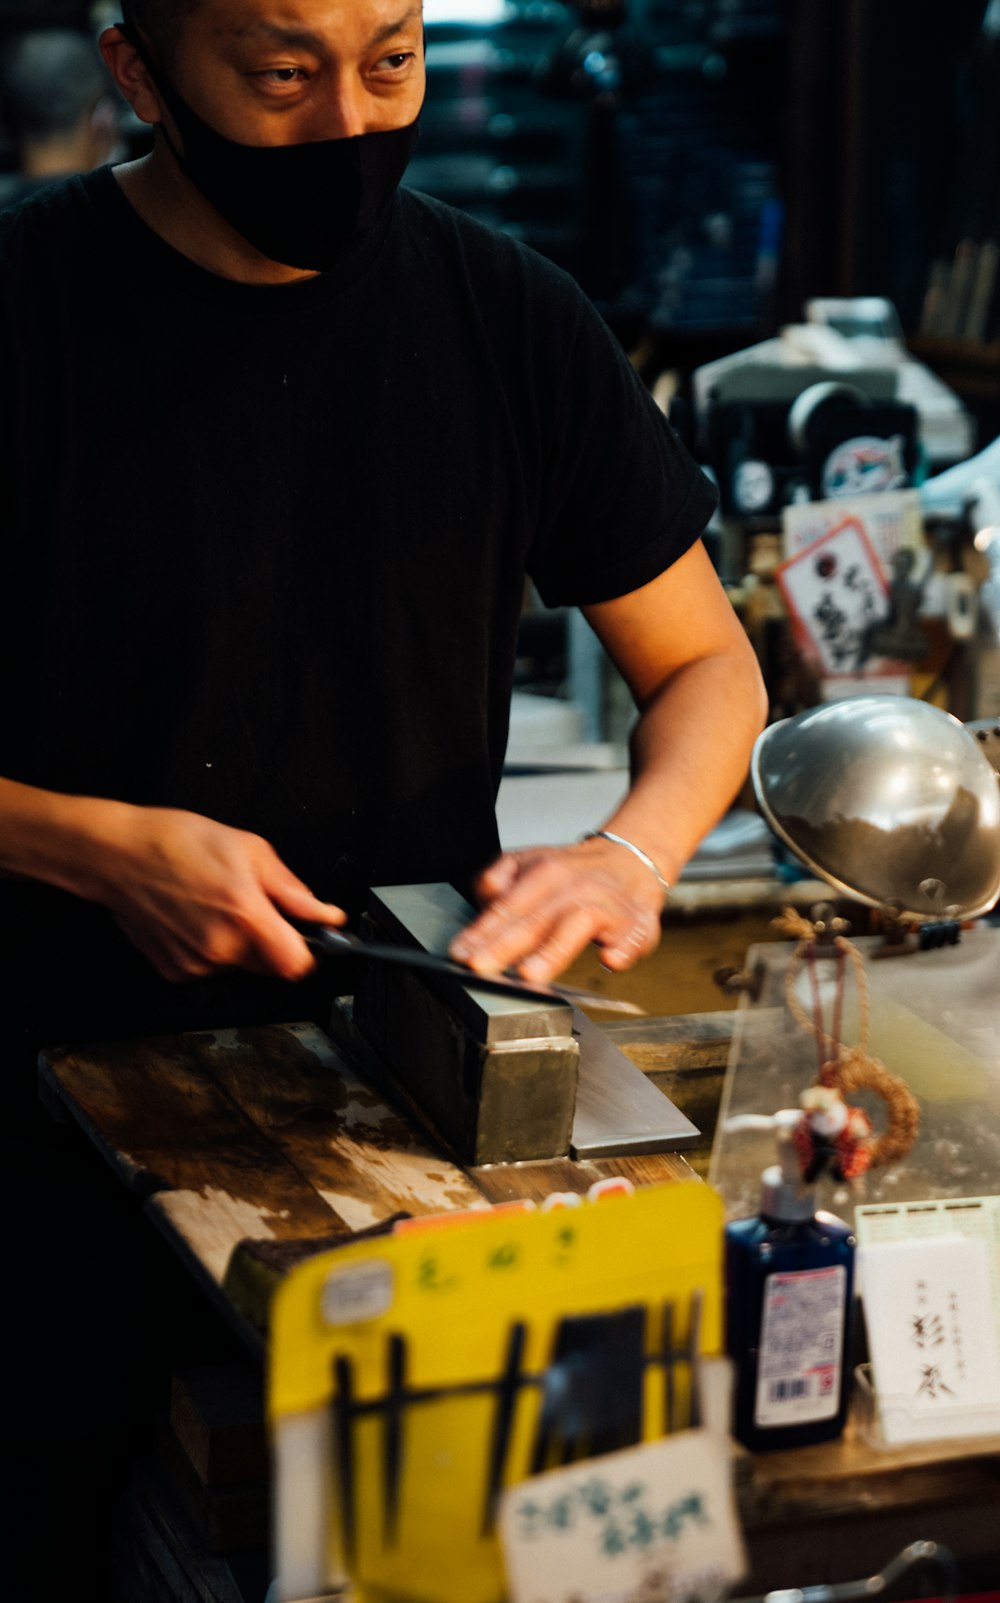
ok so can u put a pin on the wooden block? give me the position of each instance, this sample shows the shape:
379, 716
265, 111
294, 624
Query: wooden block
497, 1076
161, 1558
682, 1043
226, 1519
257, 1268
217, 1416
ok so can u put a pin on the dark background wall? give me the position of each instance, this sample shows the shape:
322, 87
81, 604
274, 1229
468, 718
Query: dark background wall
704, 166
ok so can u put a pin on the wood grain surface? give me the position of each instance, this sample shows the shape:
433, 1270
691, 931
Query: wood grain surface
256, 1147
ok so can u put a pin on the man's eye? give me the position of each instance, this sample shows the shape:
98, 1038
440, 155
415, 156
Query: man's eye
282, 75
397, 61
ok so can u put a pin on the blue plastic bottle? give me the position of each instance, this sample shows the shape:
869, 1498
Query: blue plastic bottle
789, 1316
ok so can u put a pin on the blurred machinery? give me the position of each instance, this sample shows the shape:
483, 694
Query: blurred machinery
833, 406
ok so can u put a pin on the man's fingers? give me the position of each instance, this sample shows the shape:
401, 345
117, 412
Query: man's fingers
565, 940
289, 894
502, 875
198, 896
512, 924
275, 947
543, 931
555, 901
629, 945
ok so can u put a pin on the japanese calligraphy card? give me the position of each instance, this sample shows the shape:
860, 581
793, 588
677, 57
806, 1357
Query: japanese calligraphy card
933, 1338
835, 591
977, 1218
656, 1523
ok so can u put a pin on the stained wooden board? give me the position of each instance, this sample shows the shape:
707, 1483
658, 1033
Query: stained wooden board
165, 1125
835, 1477
248, 1142
257, 1134
357, 1152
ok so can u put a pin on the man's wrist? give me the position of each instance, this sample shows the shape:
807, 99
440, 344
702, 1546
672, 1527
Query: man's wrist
637, 852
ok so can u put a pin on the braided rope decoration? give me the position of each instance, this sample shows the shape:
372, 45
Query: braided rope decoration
845, 1069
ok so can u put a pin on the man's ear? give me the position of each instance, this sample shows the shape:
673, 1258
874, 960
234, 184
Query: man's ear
129, 72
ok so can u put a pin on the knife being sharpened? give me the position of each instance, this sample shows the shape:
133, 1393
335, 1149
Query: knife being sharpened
329, 942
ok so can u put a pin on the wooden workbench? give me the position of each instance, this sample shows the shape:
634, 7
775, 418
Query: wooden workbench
249, 1149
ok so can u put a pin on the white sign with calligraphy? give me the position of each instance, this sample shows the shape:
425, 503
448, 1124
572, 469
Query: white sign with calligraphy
655, 1523
835, 591
977, 1218
933, 1338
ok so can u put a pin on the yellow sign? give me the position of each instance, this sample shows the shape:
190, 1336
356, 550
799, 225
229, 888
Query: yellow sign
414, 1377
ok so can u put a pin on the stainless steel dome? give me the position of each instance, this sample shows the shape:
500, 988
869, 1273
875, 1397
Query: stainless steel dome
889, 799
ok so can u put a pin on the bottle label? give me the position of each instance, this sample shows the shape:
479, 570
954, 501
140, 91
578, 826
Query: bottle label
802, 1334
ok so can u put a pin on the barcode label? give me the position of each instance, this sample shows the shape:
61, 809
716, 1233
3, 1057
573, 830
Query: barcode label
780, 1389
802, 1332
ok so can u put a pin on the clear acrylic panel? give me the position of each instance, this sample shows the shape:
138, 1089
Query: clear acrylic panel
934, 1020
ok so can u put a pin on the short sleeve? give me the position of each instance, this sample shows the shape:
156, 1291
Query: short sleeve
621, 499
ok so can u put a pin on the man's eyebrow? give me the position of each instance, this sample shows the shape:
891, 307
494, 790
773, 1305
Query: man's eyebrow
304, 39
272, 33
413, 14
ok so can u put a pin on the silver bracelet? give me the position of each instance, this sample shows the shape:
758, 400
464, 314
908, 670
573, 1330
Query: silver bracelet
637, 851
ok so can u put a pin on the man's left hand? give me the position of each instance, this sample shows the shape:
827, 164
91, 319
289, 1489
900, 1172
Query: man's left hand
542, 906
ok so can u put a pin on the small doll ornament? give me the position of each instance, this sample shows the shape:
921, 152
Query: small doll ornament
831, 1135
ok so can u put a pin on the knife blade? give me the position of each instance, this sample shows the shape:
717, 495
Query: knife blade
329, 942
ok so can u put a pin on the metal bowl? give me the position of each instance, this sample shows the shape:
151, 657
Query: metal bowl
889, 799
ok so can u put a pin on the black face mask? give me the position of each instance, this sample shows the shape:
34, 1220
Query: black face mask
302, 205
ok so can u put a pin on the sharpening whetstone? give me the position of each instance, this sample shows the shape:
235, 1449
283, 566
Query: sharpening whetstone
573, 1089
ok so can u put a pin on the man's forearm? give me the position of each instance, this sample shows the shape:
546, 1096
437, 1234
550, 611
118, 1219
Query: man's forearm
695, 679
195, 896
62, 840
689, 757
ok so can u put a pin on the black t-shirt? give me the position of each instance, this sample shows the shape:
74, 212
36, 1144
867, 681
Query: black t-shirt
262, 550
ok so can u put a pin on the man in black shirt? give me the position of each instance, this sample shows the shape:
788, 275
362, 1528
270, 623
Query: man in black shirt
278, 446
268, 507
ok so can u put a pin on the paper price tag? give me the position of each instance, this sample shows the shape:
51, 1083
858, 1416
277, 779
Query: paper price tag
657, 1522
360, 1291
933, 1340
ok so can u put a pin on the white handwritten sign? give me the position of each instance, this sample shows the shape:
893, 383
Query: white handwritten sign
656, 1522
835, 591
933, 1338
977, 1218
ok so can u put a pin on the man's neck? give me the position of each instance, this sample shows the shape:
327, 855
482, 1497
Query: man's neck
172, 207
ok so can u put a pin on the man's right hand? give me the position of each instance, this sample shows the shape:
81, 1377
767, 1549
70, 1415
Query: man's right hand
196, 896
193, 895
